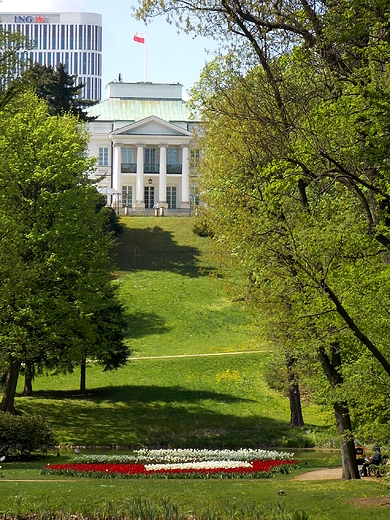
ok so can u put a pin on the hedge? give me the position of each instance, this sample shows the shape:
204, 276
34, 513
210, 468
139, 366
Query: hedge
23, 435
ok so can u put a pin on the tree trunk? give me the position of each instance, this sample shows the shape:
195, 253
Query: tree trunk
347, 444
83, 368
296, 417
28, 379
11, 381
331, 367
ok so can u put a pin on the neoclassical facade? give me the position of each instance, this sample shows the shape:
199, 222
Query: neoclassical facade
144, 143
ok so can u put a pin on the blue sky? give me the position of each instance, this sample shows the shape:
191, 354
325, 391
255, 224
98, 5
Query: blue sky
170, 57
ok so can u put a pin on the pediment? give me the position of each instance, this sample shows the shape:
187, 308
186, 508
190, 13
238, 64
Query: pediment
151, 125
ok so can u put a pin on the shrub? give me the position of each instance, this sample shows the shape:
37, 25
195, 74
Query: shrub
112, 222
202, 225
23, 435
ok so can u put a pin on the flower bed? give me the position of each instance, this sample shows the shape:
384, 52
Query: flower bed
178, 463
186, 455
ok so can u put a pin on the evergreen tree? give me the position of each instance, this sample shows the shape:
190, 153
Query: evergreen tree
59, 89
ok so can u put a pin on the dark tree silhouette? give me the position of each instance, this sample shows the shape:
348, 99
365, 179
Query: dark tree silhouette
59, 89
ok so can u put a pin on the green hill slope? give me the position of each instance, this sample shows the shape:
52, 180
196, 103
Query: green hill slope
195, 377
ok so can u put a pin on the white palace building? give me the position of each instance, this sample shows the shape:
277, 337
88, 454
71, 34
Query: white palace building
142, 134
143, 139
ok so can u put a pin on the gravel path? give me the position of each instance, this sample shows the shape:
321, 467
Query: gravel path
236, 353
321, 474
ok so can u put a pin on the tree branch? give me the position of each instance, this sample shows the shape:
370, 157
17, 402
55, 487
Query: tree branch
355, 329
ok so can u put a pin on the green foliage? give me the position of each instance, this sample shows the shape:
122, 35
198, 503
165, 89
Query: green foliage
201, 226
274, 243
275, 373
23, 435
55, 257
166, 510
112, 219
10, 63
109, 348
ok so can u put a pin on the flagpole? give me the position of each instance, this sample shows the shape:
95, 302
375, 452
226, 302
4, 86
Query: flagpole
145, 56
140, 38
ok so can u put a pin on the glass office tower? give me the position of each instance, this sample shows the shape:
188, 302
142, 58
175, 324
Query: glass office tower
74, 39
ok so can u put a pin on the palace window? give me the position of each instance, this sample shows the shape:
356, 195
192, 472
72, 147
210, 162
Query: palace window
103, 156
171, 197
150, 156
127, 196
172, 156
127, 155
149, 196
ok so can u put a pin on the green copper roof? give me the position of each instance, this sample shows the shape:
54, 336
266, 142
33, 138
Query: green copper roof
117, 109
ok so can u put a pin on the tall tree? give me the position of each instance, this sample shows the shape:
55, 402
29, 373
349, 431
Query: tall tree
55, 257
347, 57
59, 89
10, 64
258, 211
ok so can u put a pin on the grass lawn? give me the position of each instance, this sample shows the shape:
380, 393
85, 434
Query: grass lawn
195, 379
171, 314
214, 397
211, 401
322, 500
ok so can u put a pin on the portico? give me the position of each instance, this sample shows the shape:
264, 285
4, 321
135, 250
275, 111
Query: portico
150, 156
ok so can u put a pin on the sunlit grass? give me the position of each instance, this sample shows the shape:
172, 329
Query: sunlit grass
171, 314
328, 500
212, 401
214, 396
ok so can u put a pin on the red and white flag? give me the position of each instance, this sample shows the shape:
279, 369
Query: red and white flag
139, 37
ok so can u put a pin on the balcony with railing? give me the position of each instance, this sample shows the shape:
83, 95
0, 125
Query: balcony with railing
151, 168
129, 168
174, 168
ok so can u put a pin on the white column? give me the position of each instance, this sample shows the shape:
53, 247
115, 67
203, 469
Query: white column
139, 188
162, 183
185, 179
116, 174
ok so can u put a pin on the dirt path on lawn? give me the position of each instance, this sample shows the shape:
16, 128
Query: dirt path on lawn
321, 474
237, 353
